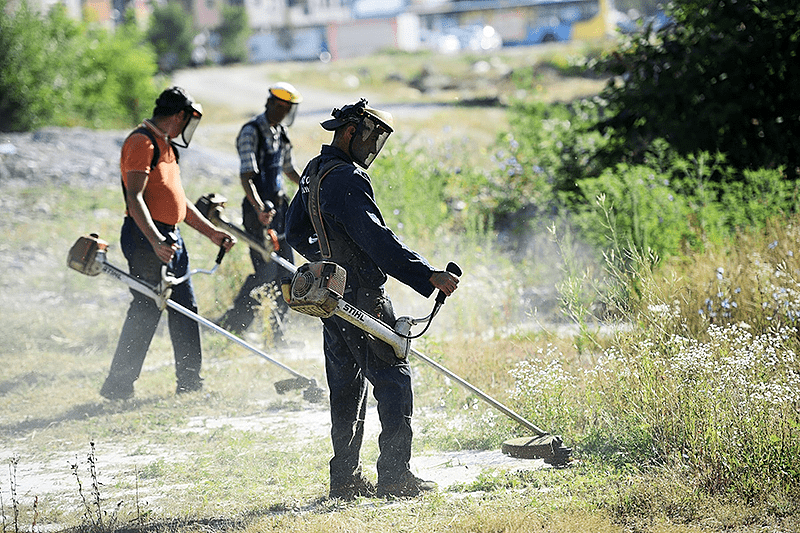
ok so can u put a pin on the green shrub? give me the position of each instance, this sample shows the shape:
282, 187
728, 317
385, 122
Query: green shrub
721, 79
644, 210
30, 61
171, 34
56, 71
114, 86
758, 196
233, 33
549, 150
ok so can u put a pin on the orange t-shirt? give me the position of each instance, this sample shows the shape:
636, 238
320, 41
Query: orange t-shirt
163, 193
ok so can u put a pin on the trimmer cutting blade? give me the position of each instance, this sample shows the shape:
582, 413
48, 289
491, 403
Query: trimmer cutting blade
548, 447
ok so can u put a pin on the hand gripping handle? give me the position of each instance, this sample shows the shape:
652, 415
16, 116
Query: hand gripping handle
453, 269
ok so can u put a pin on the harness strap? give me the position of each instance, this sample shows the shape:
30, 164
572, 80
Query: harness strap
314, 209
156, 156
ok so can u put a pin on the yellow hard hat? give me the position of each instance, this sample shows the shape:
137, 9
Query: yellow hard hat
286, 92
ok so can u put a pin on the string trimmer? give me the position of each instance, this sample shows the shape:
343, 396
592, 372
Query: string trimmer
212, 206
316, 289
88, 256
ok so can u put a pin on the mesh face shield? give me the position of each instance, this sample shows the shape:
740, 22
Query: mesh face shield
369, 138
195, 114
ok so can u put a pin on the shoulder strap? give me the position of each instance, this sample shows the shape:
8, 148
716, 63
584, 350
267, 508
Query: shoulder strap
314, 209
284, 135
156, 156
259, 137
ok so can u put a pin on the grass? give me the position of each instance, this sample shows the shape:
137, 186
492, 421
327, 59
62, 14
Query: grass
675, 415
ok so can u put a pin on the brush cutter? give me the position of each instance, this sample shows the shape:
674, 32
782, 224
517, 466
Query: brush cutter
316, 289
88, 256
212, 206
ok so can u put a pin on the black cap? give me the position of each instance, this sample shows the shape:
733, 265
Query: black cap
172, 101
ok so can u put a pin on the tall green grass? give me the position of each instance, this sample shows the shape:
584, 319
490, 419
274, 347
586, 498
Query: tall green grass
703, 379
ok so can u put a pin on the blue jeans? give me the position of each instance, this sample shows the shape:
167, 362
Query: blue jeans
143, 314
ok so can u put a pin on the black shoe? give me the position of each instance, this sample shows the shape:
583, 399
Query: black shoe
112, 390
359, 486
189, 386
408, 486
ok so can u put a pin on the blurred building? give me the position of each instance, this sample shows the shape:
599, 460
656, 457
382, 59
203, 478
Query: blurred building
334, 29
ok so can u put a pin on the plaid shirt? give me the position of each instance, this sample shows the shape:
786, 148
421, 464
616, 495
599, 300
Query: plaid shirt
248, 139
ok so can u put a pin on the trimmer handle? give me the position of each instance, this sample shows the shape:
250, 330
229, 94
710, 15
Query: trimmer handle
453, 269
221, 252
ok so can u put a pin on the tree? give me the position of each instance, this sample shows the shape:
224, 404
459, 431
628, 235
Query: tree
57, 71
233, 33
28, 69
722, 78
171, 35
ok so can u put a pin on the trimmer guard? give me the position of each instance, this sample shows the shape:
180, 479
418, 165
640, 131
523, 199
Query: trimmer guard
548, 447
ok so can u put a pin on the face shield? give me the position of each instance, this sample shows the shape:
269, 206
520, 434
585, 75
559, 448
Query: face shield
195, 114
280, 111
370, 136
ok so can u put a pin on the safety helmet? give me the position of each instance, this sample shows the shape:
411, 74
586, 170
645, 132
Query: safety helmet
175, 100
373, 127
285, 92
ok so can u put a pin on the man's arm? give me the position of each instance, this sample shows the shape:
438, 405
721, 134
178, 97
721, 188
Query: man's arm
264, 210
196, 220
137, 209
445, 282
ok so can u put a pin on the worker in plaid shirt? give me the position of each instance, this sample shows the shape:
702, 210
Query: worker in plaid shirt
265, 154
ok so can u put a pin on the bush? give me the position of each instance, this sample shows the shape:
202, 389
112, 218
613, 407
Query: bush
722, 78
233, 34
644, 211
29, 68
171, 35
55, 71
114, 86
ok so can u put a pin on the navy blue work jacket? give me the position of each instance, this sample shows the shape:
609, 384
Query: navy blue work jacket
348, 206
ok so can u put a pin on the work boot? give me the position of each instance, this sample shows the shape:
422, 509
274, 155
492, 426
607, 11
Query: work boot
115, 390
408, 486
193, 385
359, 486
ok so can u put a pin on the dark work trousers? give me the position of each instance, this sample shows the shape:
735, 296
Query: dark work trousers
349, 364
143, 314
239, 317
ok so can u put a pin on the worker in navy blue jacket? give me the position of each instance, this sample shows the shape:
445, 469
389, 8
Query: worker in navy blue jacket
334, 216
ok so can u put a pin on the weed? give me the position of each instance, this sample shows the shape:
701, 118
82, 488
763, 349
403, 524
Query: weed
272, 315
94, 514
12, 467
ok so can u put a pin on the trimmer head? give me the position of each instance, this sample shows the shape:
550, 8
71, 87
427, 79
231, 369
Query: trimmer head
548, 447
312, 393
